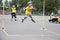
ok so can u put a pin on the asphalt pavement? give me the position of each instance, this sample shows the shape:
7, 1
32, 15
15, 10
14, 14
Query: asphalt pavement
16, 30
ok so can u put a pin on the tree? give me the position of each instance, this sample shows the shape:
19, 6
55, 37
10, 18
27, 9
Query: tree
0, 2
6, 3
1, 5
50, 5
22, 3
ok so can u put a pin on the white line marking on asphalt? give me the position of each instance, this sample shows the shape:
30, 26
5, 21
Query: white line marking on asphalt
51, 32
5, 32
31, 35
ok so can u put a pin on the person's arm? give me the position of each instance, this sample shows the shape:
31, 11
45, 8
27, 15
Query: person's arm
34, 8
27, 8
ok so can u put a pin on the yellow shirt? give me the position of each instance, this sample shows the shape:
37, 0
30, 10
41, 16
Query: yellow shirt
29, 10
13, 10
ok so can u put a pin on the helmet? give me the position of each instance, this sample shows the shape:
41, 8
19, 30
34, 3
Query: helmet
30, 2
13, 5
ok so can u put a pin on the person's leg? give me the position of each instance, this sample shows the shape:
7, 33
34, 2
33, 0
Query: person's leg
15, 17
24, 18
31, 18
11, 16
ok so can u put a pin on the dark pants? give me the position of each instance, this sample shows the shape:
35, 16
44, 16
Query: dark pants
55, 19
30, 17
13, 15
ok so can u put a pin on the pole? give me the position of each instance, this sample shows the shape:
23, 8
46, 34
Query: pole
3, 17
43, 14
